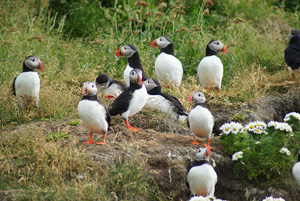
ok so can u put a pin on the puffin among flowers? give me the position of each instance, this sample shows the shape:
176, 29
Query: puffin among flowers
26, 86
210, 68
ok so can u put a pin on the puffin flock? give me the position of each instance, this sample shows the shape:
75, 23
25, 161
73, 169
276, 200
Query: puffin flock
140, 91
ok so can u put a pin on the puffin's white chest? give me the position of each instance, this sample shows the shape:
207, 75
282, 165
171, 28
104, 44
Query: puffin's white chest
201, 121
93, 116
296, 172
168, 69
126, 75
27, 84
161, 104
202, 180
113, 89
138, 101
210, 72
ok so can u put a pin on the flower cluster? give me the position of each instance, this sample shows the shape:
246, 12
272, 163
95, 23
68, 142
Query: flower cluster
284, 150
232, 127
280, 126
257, 127
208, 198
292, 114
273, 199
237, 155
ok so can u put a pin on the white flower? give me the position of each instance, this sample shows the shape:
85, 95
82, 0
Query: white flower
273, 199
272, 123
243, 130
260, 124
283, 127
235, 127
284, 150
251, 126
258, 131
293, 114
257, 142
226, 128
237, 155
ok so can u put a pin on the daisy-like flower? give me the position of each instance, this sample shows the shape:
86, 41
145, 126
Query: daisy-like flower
273, 199
243, 130
251, 126
237, 155
226, 128
235, 127
293, 114
260, 124
272, 124
283, 127
284, 150
257, 142
258, 131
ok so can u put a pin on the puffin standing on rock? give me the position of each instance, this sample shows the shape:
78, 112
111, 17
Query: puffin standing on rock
292, 52
26, 86
93, 114
296, 170
210, 68
134, 61
168, 68
132, 100
201, 176
110, 88
163, 101
200, 120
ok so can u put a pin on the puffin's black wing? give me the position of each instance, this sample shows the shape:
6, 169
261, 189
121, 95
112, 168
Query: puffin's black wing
178, 106
292, 57
13, 87
121, 104
107, 117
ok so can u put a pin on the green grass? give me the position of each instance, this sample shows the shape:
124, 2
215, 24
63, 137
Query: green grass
80, 41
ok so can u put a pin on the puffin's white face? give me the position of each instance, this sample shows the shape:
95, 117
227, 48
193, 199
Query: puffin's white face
197, 97
216, 46
126, 51
202, 154
160, 42
135, 76
150, 84
89, 89
34, 63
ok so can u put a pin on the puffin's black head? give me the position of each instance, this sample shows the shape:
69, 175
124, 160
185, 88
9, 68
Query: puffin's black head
161, 42
33, 63
126, 51
217, 46
197, 97
202, 154
295, 41
102, 80
294, 32
89, 89
153, 87
135, 76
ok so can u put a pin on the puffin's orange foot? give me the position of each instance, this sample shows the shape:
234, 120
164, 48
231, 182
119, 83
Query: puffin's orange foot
195, 142
99, 142
208, 147
110, 96
134, 129
89, 142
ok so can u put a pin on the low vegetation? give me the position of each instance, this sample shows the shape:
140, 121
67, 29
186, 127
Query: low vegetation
76, 40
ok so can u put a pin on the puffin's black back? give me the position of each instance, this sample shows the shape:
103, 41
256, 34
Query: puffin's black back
292, 53
121, 104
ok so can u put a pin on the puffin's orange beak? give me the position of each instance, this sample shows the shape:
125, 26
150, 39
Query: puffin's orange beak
42, 67
154, 43
190, 97
84, 92
119, 53
224, 50
139, 80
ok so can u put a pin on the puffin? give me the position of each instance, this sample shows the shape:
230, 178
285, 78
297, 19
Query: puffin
132, 100
201, 177
296, 170
110, 88
163, 101
292, 53
26, 86
168, 68
93, 114
134, 61
200, 119
210, 68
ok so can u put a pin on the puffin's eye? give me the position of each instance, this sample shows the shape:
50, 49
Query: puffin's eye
218, 43
124, 48
132, 73
199, 95
33, 60
160, 39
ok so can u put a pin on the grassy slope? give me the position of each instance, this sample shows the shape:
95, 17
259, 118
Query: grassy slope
254, 32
